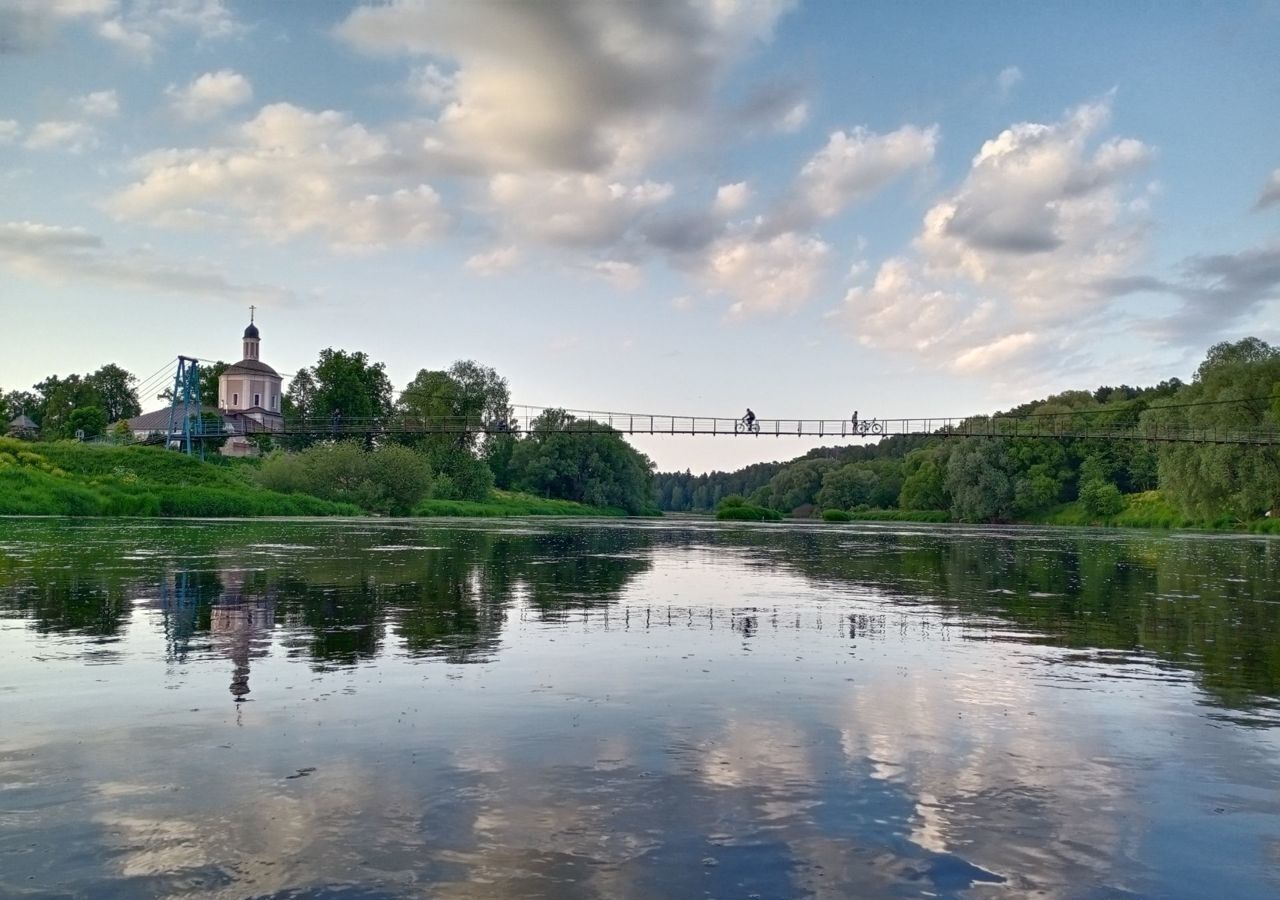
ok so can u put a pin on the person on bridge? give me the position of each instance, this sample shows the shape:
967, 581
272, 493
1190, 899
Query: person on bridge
855, 420
749, 418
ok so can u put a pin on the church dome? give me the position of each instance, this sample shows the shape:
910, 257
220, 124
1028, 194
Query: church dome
251, 331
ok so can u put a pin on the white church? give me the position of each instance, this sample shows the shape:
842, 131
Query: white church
249, 396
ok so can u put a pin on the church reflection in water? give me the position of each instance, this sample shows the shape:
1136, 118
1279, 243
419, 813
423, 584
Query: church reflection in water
215, 612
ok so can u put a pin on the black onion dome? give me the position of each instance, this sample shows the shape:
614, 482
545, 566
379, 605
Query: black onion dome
251, 331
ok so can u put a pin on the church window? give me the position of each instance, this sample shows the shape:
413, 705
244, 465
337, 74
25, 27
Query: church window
235, 399
257, 399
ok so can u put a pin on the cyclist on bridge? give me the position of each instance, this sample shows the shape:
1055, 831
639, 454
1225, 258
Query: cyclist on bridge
749, 418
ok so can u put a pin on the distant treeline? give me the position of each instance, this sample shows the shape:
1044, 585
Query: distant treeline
1003, 479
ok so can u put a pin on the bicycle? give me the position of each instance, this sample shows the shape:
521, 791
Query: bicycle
868, 426
746, 426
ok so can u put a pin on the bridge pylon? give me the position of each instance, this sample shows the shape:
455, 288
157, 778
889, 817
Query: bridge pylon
186, 412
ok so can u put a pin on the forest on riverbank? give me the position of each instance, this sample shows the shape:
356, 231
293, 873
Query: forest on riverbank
1071, 481
561, 466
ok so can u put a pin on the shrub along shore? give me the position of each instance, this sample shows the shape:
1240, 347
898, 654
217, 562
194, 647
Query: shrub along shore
66, 478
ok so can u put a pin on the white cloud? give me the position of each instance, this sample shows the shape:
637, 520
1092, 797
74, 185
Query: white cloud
500, 259
210, 95
59, 255
73, 137
1008, 79
765, 274
1270, 195
566, 85
289, 172
1018, 252
732, 198
572, 210
9, 131
99, 104
852, 166
135, 28
619, 273
432, 86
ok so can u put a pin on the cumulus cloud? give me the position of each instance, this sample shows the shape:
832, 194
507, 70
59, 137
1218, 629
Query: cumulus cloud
732, 198
574, 210
71, 136
60, 255
1270, 195
778, 106
9, 131
289, 172
210, 95
493, 262
765, 274
564, 85
849, 168
99, 104
1017, 252
134, 27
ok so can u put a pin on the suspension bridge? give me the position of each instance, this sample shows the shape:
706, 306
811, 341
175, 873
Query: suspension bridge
189, 424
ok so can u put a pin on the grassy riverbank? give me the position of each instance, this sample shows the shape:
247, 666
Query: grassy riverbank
72, 479
1150, 510
66, 478
512, 503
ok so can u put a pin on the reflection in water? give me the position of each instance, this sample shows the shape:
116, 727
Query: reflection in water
635, 710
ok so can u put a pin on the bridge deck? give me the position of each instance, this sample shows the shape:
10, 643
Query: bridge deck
1070, 426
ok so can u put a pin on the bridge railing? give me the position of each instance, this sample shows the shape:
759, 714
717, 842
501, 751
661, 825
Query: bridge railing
1065, 426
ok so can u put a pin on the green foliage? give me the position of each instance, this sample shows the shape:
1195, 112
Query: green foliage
747, 513
73, 479
87, 422
798, 484
1100, 498
924, 485
582, 461
731, 501
1231, 390
835, 515
389, 480
848, 486
510, 503
977, 482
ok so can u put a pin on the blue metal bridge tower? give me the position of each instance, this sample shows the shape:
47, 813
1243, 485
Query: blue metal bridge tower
186, 412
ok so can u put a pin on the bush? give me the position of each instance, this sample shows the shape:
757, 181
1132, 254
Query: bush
390, 479
1101, 499
746, 513
836, 515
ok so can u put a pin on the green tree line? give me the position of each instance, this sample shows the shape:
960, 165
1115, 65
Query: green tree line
1237, 386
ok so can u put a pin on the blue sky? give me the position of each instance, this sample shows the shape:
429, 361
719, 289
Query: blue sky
671, 207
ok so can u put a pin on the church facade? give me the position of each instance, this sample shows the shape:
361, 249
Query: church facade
249, 395
250, 400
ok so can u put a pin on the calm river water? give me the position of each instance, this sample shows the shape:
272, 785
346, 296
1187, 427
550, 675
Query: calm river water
619, 709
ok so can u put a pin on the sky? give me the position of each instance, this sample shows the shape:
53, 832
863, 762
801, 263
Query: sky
679, 207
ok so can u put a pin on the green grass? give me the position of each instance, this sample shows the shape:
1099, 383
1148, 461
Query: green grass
899, 515
511, 503
748, 513
1149, 510
67, 478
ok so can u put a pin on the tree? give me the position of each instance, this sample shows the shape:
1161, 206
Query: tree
117, 392
86, 421
582, 460
798, 484
350, 386
847, 487
1231, 390
924, 486
210, 373
977, 482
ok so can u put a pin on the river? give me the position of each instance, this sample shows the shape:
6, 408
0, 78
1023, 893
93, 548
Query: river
665, 708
